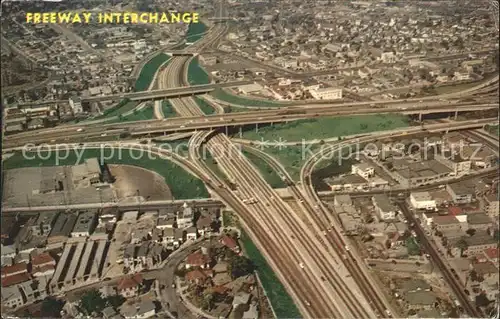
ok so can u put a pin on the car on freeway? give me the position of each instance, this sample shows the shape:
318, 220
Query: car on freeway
80, 130
301, 265
347, 248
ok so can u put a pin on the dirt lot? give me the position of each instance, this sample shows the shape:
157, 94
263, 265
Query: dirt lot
20, 187
129, 179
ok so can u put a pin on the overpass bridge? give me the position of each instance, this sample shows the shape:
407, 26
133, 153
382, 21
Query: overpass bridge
180, 53
154, 94
242, 119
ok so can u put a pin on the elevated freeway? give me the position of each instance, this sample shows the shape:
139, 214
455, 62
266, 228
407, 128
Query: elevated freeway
166, 93
199, 122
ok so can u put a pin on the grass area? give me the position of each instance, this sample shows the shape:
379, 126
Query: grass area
182, 184
226, 96
196, 74
149, 70
229, 219
281, 302
204, 106
121, 108
493, 129
168, 109
195, 32
291, 157
269, 174
146, 113
212, 165
328, 127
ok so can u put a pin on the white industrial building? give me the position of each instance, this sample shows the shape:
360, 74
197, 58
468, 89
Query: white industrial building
422, 200
326, 94
364, 170
76, 105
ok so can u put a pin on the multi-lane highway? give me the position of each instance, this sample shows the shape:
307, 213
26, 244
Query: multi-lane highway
196, 121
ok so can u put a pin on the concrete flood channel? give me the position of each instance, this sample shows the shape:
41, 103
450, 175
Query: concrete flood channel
182, 184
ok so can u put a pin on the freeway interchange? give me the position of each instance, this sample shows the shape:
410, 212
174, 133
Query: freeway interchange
324, 277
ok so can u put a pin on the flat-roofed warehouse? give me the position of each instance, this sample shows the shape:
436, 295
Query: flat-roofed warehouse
62, 228
85, 224
250, 88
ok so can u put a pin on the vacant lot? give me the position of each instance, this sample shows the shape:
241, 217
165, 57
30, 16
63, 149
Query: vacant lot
134, 181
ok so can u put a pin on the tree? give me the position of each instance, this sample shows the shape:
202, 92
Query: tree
51, 307
92, 303
115, 301
208, 301
470, 231
240, 266
462, 245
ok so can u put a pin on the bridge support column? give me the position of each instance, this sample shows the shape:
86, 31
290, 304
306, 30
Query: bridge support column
227, 130
257, 128
420, 117
241, 132
456, 115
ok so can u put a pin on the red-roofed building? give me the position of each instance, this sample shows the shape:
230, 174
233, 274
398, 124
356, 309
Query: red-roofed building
221, 290
196, 260
492, 254
16, 269
198, 276
455, 211
43, 265
15, 279
230, 243
129, 286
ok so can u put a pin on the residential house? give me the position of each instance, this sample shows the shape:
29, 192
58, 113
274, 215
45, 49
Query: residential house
230, 243
252, 312
178, 237
384, 208
204, 225
492, 202
130, 286
191, 233
459, 166
129, 256
198, 260
185, 217
461, 193
492, 255
199, 276
241, 298
141, 258
110, 313
165, 223
422, 200
8, 254
168, 236
146, 309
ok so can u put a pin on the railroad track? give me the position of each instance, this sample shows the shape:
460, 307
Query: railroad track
324, 227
